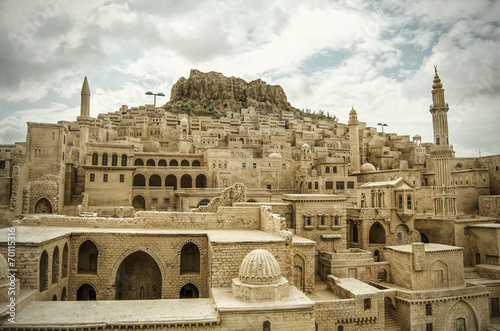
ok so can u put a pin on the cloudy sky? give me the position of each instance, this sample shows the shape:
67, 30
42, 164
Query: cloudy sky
377, 56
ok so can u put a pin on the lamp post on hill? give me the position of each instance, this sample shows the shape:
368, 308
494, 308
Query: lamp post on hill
155, 94
382, 125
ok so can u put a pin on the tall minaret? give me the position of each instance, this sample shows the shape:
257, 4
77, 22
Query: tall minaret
442, 152
85, 103
354, 140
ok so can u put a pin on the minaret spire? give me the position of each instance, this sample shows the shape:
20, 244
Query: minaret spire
354, 140
85, 101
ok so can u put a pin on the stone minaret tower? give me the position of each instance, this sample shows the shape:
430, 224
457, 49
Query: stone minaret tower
354, 140
442, 152
85, 103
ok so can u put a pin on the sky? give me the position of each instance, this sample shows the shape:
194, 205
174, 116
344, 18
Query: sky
375, 56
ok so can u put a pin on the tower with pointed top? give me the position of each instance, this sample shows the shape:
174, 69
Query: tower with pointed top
354, 140
85, 102
442, 152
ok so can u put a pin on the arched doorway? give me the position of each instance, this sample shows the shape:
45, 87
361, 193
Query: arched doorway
43, 206
87, 258
353, 231
139, 203
171, 180
139, 180
377, 234
43, 283
86, 292
201, 181
138, 278
298, 272
189, 291
186, 181
190, 259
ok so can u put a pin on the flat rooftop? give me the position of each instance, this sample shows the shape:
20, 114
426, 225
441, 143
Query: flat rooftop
41, 234
429, 248
123, 312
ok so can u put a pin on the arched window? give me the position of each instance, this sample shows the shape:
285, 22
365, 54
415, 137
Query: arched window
87, 258
86, 293
189, 291
124, 160
377, 234
203, 202
162, 163
185, 163
334, 169
114, 160
55, 265
95, 159
155, 180
186, 181
150, 163
65, 261
171, 180
201, 181
139, 162
196, 163
174, 163
266, 326
43, 276
190, 259
104, 160
139, 180
327, 169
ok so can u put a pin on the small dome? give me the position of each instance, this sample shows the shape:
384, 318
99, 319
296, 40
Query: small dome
368, 167
4, 267
306, 145
275, 156
437, 80
184, 120
259, 267
353, 111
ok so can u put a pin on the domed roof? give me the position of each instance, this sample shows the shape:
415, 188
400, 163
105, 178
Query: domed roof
4, 267
306, 145
259, 267
368, 167
353, 111
184, 120
275, 156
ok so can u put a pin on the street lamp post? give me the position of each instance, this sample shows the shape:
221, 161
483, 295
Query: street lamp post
382, 125
155, 94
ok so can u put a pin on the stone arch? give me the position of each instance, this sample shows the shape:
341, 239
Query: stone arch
171, 180
462, 310
43, 206
299, 268
86, 291
353, 233
162, 163
155, 180
138, 278
65, 261
174, 163
138, 162
423, 238
150, 163
54, 297
266, 326
186, 181
64, 295
402, 231
139, 180
184, 163
43, 271
376, 234
139, 203
55, 265
190, 259
196, 163
439, 274
201, 181
88, 255
198, 286
130, 251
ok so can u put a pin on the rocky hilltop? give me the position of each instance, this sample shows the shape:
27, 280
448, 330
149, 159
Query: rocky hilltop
201, 90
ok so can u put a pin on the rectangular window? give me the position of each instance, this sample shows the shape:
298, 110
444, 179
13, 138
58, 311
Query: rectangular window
408, 202
2, 164
92, 177
495, 311
122, 178
308, 220
254, 165
322, 220
428, 327
428, 309
400, 201
315, 185
340, 185
243, 166
329, 185
309, 185
350, 185
105, 178
336, 220
154, 200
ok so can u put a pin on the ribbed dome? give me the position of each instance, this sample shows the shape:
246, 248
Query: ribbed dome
259, 267
275, 156
368, 167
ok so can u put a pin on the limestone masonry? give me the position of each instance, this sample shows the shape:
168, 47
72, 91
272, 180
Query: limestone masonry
229, 209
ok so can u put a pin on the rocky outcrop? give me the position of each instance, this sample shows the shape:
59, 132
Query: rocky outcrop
228, 92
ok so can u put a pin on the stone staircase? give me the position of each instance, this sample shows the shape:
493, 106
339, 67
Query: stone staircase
390, 325
470, 273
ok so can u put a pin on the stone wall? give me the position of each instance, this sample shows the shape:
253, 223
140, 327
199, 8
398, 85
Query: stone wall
233, 194
489, 205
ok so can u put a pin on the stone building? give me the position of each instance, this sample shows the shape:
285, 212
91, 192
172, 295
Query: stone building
229, 209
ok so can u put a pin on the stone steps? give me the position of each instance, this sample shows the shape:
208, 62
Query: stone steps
390, 325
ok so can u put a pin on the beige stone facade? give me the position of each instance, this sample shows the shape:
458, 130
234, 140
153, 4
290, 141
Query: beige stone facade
232, 215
